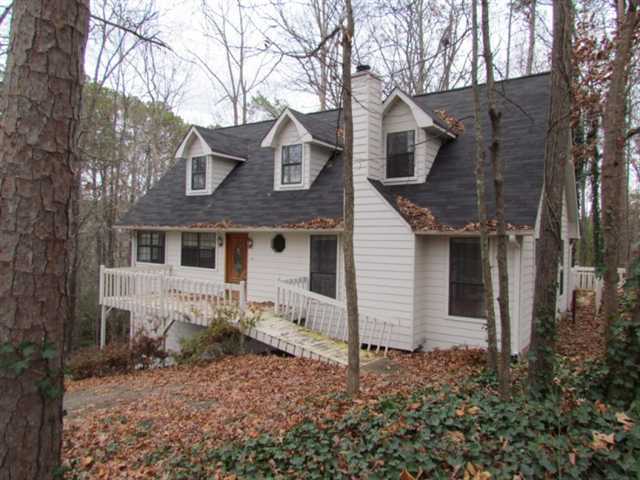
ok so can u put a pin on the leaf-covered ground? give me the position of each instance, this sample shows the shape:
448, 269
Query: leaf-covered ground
143, 425
119, 427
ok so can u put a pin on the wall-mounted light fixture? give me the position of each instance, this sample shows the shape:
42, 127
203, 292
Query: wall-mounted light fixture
250, 242
220, 240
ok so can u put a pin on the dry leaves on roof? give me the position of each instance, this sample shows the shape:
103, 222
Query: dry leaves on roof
423, 219
223, 225
454, 125
318, 223
420, 218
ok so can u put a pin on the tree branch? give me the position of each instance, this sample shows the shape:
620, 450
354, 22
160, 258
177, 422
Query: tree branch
631, 132
152, 39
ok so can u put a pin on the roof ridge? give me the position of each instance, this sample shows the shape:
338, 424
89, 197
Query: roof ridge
505, 80
317, 112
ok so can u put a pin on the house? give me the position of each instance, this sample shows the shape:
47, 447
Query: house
259, 207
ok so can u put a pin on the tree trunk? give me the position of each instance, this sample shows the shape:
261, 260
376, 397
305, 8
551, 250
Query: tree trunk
532, 37
613, 161
38, 139
595, 197
492, 359
497, 166
549, 244
353, 369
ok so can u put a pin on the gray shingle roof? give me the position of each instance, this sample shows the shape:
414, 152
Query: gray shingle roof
449, 191
319, 128
223, 142
246, 197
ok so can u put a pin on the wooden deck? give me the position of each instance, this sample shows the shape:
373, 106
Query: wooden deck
299, 341
304, 324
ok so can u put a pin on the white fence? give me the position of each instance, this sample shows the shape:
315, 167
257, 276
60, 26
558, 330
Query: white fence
585, 278
154, 292
326, 315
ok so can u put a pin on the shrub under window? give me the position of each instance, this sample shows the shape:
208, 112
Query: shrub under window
291, 164
466, 288
400, 154
198, 250
278, 243
150, 247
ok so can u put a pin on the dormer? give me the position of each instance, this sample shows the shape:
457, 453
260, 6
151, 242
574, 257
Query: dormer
301, 145
411, 138
209, 157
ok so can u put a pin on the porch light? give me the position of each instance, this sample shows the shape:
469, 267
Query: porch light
220, 240
250, 242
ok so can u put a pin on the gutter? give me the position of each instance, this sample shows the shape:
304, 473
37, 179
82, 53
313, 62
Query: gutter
454, 233
229, 229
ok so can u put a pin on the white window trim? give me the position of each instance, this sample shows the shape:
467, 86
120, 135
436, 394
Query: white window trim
400, 180
292, 186
207, 190
201, 269
457, 318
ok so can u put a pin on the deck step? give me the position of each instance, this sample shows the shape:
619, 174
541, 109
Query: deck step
302, 342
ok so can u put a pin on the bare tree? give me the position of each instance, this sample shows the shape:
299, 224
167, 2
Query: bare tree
495, 115
245, 67
613, 162
420, 43
353, 368
482, 201
531, 48
41, 112
308, 29
549, 244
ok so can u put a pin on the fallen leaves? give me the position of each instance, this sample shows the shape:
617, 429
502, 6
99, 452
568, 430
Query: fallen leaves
626, 422
582, 336
602, 440
234, 398
475, 472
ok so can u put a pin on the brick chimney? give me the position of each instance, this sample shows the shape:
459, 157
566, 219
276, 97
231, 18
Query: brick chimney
367, 124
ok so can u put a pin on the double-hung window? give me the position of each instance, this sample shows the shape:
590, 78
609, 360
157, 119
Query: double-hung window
198, 250
401, 154
291, 164
466, 286
199, 173
150, 247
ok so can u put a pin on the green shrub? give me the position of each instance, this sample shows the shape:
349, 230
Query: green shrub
445, 434
223, 336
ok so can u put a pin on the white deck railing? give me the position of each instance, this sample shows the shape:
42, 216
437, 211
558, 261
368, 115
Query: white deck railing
327, 316
154, 292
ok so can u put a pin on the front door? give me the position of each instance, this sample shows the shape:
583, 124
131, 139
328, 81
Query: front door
324, 261
236, 257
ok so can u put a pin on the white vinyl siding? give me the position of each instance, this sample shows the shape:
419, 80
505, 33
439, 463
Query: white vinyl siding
217, 168
400, 118
434, 325
527, 286
289, 135
314, 158
318, 157
383, 242
266, 266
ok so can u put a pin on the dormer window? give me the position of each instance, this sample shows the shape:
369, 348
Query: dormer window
401, 154
292, 164
199, 173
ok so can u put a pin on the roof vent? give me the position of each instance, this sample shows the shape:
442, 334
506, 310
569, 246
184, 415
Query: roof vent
363, 68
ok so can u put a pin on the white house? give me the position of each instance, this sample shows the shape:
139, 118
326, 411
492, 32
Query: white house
261, 204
